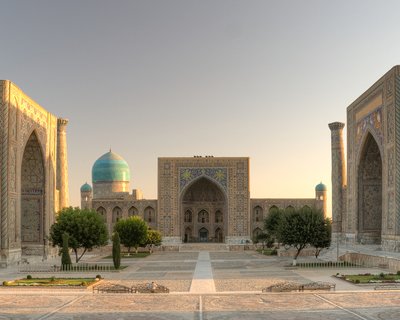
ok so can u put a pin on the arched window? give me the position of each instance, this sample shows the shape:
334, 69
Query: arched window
273, 209
256, 232
219, 217
133, 211
188, 216
203, 217
219, 236
116, 214
102, 212
257, 214
149, 215
289, 208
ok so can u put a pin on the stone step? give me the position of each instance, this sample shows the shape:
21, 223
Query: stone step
196, 247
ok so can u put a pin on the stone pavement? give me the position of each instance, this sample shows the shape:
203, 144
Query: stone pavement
233, 291
203, 280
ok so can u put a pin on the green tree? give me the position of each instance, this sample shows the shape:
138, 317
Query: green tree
116, 250
299, 228
272, 223
65, 257
86, 230
132, 232
153, 239
323, 236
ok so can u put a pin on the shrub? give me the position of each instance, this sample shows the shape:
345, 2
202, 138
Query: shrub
29, 277
98, 276
5, 283
52, 279
398, 273
357, 281
381, 275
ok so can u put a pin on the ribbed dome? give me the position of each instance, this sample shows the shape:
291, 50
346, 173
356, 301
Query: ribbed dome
320, 187
110, 167
86, 188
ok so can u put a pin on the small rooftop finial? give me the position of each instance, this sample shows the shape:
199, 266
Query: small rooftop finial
110, 149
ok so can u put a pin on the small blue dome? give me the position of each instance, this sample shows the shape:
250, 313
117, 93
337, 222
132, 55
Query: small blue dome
86, 188
320, 187
110, 167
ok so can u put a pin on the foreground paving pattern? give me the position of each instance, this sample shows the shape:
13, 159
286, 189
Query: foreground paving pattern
351, 305
237, 277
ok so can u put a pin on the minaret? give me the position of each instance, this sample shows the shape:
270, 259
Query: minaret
338, 175
62, 163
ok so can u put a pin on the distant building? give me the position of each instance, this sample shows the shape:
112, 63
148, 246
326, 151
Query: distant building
366, 204
200, 199
34, 174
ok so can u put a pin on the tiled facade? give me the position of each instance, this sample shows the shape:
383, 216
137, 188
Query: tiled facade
200, 199
34, 185
366, 203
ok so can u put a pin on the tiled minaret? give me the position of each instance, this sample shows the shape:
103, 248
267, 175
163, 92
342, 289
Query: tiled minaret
338, 175
62, 163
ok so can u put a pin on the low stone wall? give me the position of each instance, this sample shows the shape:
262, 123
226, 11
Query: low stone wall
390, 263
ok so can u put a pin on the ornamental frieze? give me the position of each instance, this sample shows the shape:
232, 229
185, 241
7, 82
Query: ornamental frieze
372, 121
218, 175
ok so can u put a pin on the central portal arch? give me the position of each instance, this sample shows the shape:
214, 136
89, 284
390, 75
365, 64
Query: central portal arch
32, 195
370, 192
203, 209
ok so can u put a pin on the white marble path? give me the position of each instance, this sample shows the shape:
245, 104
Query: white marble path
203, 279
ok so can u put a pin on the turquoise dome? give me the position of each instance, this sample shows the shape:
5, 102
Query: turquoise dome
320, 187
86, 188
110, 167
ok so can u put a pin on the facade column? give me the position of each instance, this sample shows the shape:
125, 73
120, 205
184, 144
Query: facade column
338, 175
62, 163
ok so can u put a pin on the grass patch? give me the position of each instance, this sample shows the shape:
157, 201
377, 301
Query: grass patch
268, 252
132, 255
372, 278
51, 282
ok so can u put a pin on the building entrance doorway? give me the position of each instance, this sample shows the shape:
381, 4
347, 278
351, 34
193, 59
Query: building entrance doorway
203, 235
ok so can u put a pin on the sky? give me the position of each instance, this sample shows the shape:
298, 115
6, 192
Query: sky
164, 78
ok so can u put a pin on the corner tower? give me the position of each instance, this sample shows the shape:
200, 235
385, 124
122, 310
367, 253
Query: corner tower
320, 197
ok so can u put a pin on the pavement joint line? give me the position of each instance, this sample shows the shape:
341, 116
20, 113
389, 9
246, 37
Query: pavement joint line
340, 307
58, 309
200, 308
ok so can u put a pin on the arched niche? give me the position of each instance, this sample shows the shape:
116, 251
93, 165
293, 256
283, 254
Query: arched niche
370, 192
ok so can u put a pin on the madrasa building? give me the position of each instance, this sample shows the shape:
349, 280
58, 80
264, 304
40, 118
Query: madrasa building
33, 176
366, 196
200, 199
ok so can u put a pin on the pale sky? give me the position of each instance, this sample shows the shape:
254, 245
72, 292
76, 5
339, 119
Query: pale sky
180, 78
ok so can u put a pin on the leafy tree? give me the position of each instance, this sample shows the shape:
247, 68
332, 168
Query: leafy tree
65, 257
299, 228
116, 250
153, 239
265, 239
322, 238
86, 230
272, 223
132, 232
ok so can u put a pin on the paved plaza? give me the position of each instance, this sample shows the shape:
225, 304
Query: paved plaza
204, 285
